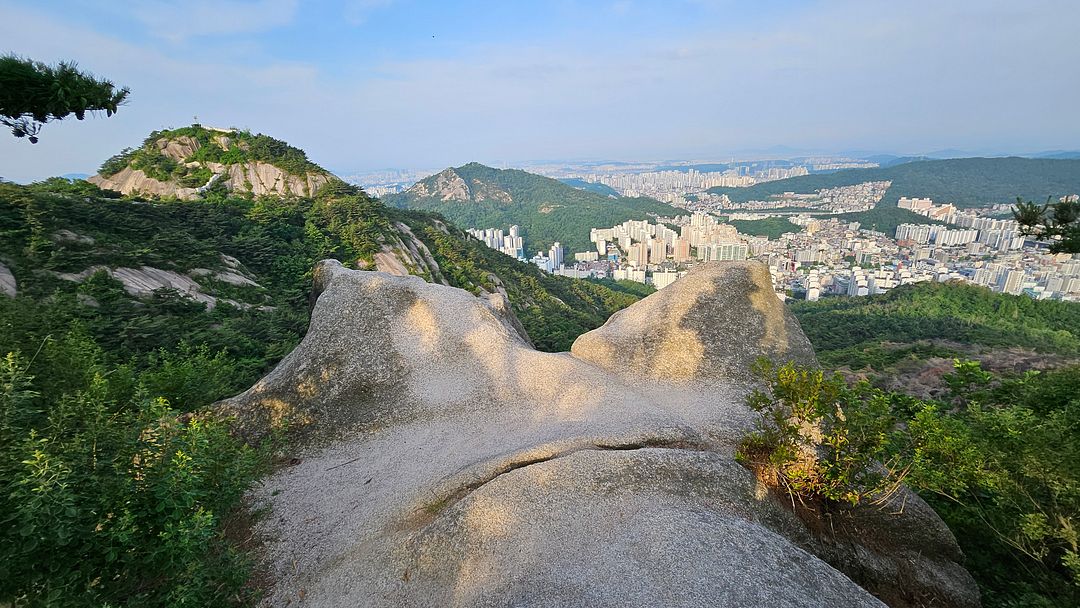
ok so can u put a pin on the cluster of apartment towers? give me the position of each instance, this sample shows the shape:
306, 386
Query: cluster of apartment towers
513, 245
627, 250
699, 237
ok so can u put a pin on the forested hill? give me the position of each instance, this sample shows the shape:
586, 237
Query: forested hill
935, 319
162, 264
965, 182
477, 196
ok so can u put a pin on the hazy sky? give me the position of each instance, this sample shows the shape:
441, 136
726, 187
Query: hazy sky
366, 84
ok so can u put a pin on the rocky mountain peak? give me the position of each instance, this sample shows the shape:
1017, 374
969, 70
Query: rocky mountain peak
185, 163
468, 183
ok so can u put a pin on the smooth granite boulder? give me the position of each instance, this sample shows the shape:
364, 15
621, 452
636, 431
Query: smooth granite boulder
448, 463
720, 318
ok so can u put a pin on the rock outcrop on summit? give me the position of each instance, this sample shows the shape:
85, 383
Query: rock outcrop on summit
255, 177
447, 463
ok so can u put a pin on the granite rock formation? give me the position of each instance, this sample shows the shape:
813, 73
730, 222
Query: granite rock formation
447, 463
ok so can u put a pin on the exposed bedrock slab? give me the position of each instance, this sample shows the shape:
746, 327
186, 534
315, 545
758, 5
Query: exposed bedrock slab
450, 464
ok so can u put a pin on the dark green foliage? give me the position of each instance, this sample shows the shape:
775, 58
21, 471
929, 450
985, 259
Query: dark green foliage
116, 163
1002, 467
1058, 223
884, 218
554, 310
965, 182
638, 290
818, 438
771, 227
998, 458
110, 495
546, 209
33, 93
116, 490
154, 164
849, 331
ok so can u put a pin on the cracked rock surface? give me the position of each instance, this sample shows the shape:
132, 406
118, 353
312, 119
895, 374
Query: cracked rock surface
447, 463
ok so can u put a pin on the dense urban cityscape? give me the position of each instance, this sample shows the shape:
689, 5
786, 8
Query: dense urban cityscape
826, 256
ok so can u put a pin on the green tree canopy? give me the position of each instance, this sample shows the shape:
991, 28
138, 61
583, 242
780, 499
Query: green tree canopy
1058, 223
33, 93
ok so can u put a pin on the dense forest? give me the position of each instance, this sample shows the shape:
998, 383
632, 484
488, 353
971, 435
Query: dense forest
546, 209
107, 455
596, 187
851, 331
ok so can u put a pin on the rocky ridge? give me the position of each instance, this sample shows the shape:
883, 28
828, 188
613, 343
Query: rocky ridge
449, 185
450, 464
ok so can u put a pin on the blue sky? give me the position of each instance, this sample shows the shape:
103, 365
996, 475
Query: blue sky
368, 84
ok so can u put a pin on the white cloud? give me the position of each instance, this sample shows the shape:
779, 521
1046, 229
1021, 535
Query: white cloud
848, 74
357, 12
178, 21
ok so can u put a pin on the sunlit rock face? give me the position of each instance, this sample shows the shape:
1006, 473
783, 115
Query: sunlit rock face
711, 328
450, 464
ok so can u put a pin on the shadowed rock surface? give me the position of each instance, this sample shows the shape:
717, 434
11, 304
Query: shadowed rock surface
8, 286
450, 464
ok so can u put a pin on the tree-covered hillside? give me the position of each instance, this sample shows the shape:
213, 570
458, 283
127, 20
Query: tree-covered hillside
965, 182
117, 487
476, 196
979, 414
771, 227
851, 331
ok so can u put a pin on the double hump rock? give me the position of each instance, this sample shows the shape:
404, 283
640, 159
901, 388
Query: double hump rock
449, 463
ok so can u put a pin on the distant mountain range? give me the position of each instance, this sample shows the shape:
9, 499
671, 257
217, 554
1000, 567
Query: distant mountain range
548, 210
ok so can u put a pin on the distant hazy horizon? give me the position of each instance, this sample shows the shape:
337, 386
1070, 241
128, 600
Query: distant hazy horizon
363, 85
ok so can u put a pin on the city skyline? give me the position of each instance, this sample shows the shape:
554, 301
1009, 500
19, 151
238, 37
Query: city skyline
419, 84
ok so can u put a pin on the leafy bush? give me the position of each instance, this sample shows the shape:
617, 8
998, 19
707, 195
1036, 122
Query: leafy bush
153, 163
110, 495
818, 438
998, 458
194, 177
1002, 467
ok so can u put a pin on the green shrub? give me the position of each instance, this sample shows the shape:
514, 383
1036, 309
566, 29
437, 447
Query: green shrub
818, 438
998, 458
111, 496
